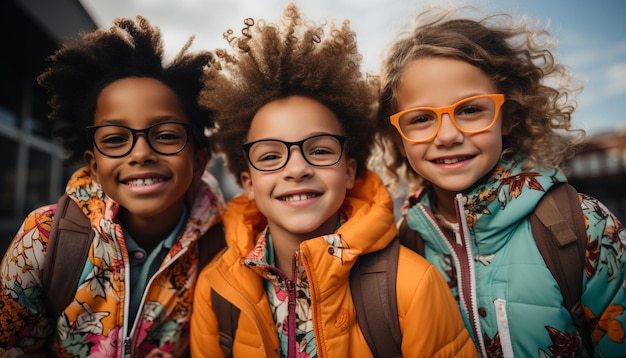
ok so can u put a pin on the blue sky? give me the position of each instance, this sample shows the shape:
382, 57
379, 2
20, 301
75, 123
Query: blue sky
591, 34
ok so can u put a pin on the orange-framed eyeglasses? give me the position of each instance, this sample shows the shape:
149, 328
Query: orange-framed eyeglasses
471, 115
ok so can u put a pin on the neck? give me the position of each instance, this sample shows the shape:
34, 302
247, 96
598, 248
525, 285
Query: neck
287, 243
443, 203
148, 232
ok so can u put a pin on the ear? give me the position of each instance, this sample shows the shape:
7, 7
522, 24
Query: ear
90, 161
200, 161
350, 172
246, 182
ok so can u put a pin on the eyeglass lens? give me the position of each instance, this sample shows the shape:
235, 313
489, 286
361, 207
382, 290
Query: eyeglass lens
270, 154
471, 116
165, 138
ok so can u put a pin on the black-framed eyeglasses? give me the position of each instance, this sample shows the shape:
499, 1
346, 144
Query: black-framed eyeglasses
116, 141
320, 150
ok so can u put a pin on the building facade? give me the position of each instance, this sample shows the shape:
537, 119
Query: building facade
599, 170
32, 174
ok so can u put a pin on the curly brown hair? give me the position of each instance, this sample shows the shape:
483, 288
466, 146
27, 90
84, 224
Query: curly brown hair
519, 60
278, 60
82, 67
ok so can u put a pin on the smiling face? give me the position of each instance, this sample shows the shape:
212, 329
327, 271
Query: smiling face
299, 200
150, 187
452, 161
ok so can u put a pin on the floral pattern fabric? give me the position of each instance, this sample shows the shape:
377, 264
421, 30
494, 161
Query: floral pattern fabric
94, 323
497, 274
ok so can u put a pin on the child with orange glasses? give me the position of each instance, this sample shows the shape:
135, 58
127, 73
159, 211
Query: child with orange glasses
143, 192
470, 117
296, 121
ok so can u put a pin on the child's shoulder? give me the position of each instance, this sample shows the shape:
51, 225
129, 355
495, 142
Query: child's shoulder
40, 219
601, 222
412, 263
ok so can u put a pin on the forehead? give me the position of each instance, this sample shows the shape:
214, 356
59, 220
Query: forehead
137, 102
440, 81
292, 119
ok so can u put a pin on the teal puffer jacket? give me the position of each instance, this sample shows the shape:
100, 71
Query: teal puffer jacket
510, 302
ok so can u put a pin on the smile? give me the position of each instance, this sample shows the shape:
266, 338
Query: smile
451, 160
298, 197
144, 182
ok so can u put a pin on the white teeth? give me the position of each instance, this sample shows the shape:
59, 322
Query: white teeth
298, 197
451, 160
144, 182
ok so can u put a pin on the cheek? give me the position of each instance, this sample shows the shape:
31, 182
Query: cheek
414, 151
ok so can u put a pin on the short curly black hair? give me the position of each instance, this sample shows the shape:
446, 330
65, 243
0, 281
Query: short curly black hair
292, 57
81, 68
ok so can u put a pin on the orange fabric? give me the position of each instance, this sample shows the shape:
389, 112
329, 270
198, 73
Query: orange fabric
430, 320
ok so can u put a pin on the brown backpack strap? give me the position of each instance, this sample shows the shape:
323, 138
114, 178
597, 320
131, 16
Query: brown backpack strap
373, 286
558, 227
410, 238
228, 319
210, 244
68, 247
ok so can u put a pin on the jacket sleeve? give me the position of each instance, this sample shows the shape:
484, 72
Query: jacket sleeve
429, 316
23, 325
604, 279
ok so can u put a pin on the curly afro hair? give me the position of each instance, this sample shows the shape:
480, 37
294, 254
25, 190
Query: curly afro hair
81, 68
293, 57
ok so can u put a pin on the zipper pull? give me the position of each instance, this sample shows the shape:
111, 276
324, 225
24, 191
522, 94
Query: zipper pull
127, 347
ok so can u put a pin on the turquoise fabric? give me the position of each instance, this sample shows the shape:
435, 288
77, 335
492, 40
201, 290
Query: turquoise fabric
508, 278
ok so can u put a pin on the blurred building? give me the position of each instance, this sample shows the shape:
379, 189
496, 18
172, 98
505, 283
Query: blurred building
31, 173
599, 170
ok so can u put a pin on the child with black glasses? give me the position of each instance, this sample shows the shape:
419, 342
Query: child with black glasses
296, 121
144, 190
476, 113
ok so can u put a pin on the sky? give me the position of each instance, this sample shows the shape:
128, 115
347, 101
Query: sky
591, 34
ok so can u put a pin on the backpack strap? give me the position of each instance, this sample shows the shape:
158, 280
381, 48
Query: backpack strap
373, 287
228, 319
227, 314
210, 244
558, 227
68, 247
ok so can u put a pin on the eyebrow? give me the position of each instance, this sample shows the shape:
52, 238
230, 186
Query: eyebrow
151, 121
292, 141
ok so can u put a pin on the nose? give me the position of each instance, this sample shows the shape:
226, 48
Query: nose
297, 167
141, 151
448, 133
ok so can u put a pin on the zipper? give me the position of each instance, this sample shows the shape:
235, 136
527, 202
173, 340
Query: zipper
128, 337
465, 269
291, 307
290, 284
468, 284
127, 347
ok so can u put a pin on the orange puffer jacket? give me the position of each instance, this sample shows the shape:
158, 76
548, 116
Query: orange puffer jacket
430, 321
